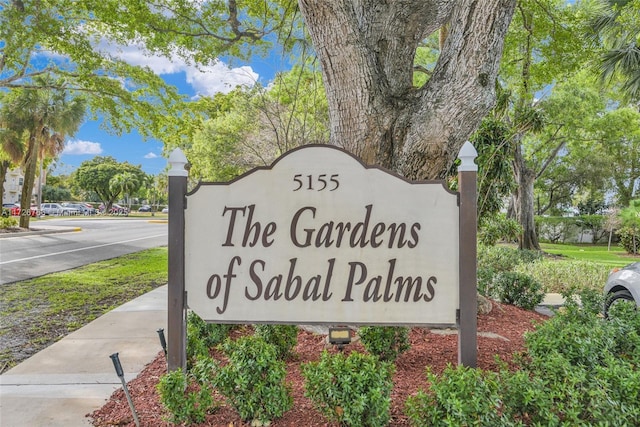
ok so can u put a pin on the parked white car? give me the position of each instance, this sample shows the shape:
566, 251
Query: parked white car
58, 209
81, 208
623, 284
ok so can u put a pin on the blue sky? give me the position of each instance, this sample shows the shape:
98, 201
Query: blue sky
91, 140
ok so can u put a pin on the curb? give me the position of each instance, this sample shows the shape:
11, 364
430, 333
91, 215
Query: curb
37, 232
56, 230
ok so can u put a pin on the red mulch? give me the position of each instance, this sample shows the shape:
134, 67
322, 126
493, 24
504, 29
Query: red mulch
427, 349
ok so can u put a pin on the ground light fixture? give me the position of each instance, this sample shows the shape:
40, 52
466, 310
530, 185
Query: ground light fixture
339, 336
163, 340
116, 364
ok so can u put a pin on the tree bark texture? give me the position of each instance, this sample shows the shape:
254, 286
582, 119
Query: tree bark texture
367, 57
525, 177
4, 167
30, 164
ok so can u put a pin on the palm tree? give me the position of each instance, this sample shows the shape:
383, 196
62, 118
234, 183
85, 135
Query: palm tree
12, 144
44, 116
616, 25
125, 183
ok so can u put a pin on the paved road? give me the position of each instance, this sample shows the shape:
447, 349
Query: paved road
24, 257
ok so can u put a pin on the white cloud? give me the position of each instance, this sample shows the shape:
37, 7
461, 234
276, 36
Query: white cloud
205, 80
151, 155
220, 78
76, 148
136, 55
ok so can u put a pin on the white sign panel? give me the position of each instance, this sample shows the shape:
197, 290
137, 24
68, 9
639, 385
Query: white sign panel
319, 237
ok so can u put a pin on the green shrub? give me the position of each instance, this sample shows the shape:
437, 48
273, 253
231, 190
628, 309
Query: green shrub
201, 336
589, 365
497, 258
254, 379
560, 277
460, 396
196, 347
385, 342
624, 322
629, 233
8, 221
629, 239
353, 390
595, 224
283, 337
216, 333
557, 228
186, 399
562, 229
603, 394
518, 289
502, 258
583, 343
526, 399
577, 333
493, 260
485, 281
527, 256
618, 381
579, 369
211, 333
498, 228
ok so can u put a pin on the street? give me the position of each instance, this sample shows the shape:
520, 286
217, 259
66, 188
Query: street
25, 257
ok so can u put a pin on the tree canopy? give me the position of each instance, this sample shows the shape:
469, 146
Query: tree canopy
614, 25
251, 127
540, 51
126, 183
67, 39
98, 173
366, 51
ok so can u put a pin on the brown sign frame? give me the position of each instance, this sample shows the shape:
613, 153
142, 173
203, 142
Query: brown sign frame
467, 302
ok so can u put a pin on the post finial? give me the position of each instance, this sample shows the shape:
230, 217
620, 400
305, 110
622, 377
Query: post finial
177, 161
467, 156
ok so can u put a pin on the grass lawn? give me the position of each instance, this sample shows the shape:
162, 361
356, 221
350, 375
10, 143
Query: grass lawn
615, 257
35, 313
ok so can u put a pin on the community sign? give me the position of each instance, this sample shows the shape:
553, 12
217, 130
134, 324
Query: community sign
319, 237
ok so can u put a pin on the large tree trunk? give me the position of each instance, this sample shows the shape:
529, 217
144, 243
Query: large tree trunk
30, 164
523, 202
4, 167
367, 58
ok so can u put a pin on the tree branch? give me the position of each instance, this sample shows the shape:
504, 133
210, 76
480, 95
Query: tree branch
7, 82
549, 159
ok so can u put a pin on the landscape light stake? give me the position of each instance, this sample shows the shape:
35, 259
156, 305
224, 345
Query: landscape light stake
116, 364
163, 341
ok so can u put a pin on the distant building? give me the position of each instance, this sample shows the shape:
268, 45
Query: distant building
12, 190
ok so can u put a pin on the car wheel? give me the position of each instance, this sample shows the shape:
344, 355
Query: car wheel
65, 213
616, 298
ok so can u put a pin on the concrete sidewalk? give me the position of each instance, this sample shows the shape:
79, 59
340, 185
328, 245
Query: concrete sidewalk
71, 378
